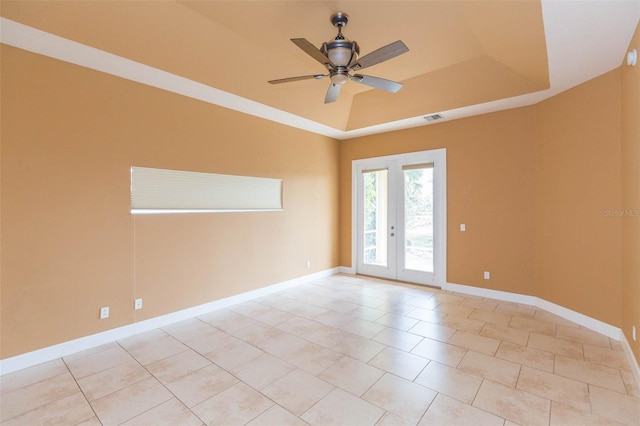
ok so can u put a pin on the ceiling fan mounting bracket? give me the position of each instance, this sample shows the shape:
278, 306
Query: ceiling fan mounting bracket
339, 20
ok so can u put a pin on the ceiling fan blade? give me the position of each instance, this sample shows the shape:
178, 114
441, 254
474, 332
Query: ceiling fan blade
301, 77
311, 50
380, 55
378, 83
332, 93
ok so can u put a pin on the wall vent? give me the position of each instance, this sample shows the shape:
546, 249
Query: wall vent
433, 117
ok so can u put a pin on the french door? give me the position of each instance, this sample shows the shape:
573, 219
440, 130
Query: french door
400, 217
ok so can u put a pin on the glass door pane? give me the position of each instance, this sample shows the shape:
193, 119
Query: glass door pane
375, 193
418, 217
400, 217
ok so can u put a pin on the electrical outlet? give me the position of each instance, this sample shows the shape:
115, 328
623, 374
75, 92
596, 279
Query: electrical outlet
308, 264
138, 304
104, 312
487, 275
633, 333
463, 227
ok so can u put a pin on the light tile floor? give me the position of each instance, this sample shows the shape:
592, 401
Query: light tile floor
343, 350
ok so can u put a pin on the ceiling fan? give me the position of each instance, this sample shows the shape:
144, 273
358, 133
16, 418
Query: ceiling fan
340, 57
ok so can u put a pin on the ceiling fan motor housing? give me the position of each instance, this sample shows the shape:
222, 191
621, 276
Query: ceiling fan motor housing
340, 51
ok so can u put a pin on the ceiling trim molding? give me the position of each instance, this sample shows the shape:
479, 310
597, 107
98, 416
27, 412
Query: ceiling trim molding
43, 43
566, 24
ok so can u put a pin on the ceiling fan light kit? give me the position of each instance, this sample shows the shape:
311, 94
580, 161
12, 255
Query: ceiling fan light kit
341, 56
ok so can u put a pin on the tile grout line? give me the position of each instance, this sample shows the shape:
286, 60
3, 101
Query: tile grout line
154, 377
81, 391
163, 385
395, 301
51, 402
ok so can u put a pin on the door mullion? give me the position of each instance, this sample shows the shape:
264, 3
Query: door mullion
428, 227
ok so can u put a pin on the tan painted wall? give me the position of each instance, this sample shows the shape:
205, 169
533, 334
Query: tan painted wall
578, 182
532, 185
490, 187
631, 198
69, 244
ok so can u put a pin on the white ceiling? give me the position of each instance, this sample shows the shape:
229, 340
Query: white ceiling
584, 39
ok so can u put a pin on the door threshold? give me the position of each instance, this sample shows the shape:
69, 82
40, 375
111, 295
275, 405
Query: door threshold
399, 282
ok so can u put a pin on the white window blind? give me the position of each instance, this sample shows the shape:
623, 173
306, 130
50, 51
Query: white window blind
155, 191
417, 166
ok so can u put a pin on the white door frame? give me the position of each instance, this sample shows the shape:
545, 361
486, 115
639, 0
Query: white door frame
439, 158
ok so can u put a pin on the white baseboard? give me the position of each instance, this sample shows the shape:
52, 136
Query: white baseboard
39, 356
568, 314
635, 368
347, 270
581, 319
494, 294
576, 317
